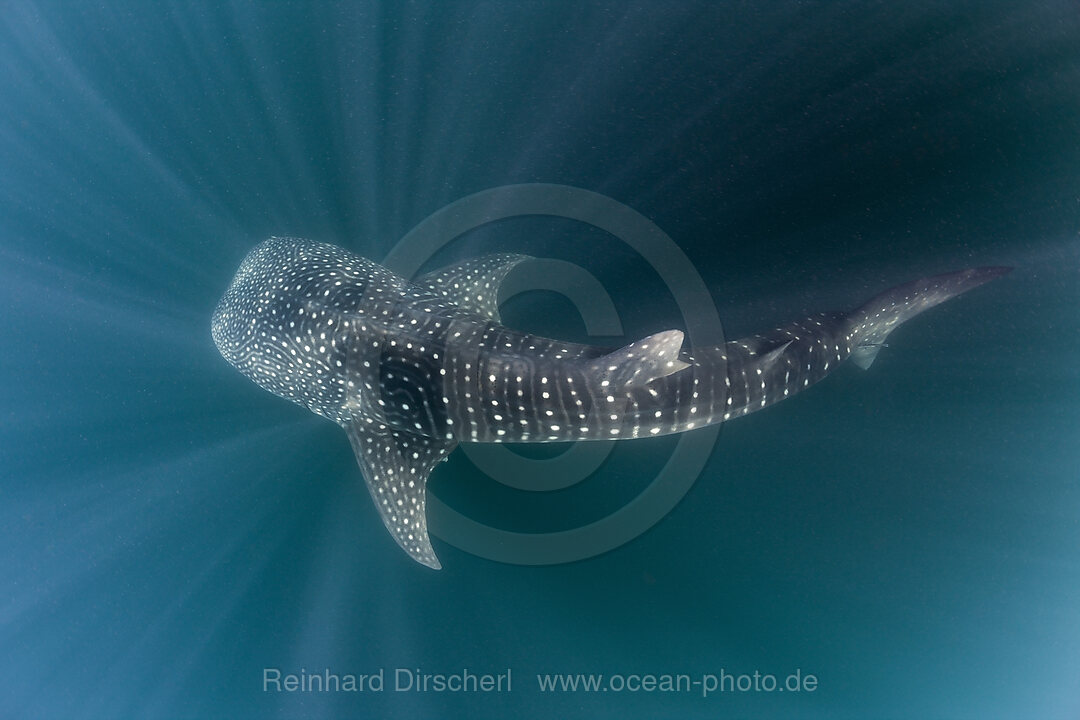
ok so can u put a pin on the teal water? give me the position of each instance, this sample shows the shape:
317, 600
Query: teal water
909, 535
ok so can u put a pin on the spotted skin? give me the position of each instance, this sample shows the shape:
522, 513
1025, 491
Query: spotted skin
411, 368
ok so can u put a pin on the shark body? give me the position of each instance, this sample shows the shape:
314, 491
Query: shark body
411, 368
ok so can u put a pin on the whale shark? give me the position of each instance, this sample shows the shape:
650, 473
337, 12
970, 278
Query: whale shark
412, 368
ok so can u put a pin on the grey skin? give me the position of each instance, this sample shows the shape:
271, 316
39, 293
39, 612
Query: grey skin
412, 368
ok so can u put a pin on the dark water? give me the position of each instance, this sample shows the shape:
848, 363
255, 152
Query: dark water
908, 536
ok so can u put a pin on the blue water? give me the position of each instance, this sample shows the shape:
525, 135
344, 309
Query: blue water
909, 536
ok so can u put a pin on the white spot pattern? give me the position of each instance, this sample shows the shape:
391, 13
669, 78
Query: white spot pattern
411, 368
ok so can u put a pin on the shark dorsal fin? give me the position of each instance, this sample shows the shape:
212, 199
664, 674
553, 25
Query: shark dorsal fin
641, 362
396, 466
773, 355
474, 284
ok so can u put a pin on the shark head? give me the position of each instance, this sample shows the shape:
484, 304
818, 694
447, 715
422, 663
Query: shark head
234, 325
290, 316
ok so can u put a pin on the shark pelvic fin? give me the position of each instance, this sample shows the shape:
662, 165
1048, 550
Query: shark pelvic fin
641, 362
474, 284
396, 466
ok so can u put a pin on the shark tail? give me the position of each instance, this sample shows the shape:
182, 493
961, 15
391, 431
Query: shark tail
871, 324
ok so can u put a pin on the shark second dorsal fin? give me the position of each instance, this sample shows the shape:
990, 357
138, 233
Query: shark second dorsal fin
396, 466
474, 284
641, 362
773, 355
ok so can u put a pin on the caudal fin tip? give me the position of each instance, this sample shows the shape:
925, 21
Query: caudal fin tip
996, 271
973, 278
872, 323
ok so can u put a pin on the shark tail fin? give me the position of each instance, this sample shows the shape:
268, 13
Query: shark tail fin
871, 324
640, 362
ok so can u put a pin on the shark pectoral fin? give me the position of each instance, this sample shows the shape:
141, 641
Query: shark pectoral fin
396, 466
474, 284
641, 362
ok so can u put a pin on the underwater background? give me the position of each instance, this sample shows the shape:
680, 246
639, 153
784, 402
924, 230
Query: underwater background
910, 536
